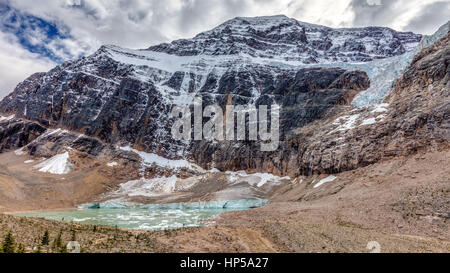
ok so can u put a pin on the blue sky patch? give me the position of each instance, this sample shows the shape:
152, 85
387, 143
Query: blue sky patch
35, 34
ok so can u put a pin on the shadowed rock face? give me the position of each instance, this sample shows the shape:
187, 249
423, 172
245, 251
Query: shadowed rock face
312, 93
14, 134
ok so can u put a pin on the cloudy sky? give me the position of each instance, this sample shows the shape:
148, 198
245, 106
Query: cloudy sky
37, 35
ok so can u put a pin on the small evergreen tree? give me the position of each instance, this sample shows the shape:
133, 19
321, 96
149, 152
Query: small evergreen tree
9, 244
74, 236
46, 239
63, 249
20, 249
57, 243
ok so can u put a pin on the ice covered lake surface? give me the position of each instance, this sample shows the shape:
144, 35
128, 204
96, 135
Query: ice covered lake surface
147, 217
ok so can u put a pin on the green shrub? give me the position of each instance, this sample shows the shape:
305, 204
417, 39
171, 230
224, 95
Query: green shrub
9, 244
46, 239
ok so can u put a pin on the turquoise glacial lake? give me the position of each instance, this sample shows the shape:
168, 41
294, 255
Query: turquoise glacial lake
147, 217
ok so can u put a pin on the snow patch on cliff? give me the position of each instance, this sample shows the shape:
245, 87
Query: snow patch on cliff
346, 122
329, 179
148, 187
112, 164
380, 108
154, 159
58, 164
20, 151
255, 179
8, 118
368, 121
237, 185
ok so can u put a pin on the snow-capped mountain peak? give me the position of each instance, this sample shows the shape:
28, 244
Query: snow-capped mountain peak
124, 96
291, 40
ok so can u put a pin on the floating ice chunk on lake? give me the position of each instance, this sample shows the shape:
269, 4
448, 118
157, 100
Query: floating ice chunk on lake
59, 164
330, 178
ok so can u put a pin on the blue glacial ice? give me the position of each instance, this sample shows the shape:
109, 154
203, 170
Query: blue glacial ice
230, 204
384, 73
429, 40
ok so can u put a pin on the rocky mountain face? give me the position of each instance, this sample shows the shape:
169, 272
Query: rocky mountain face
289, 39
120, 97
414, 117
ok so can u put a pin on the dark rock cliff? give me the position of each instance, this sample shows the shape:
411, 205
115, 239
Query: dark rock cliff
119, 97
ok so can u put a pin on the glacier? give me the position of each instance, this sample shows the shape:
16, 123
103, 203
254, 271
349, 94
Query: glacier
384, 73
235, 204
428, 40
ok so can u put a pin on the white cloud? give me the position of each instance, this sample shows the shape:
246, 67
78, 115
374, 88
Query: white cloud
142, 23
399, 14
16, 63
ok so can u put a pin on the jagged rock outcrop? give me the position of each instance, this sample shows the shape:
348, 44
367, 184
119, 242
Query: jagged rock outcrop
17, 133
